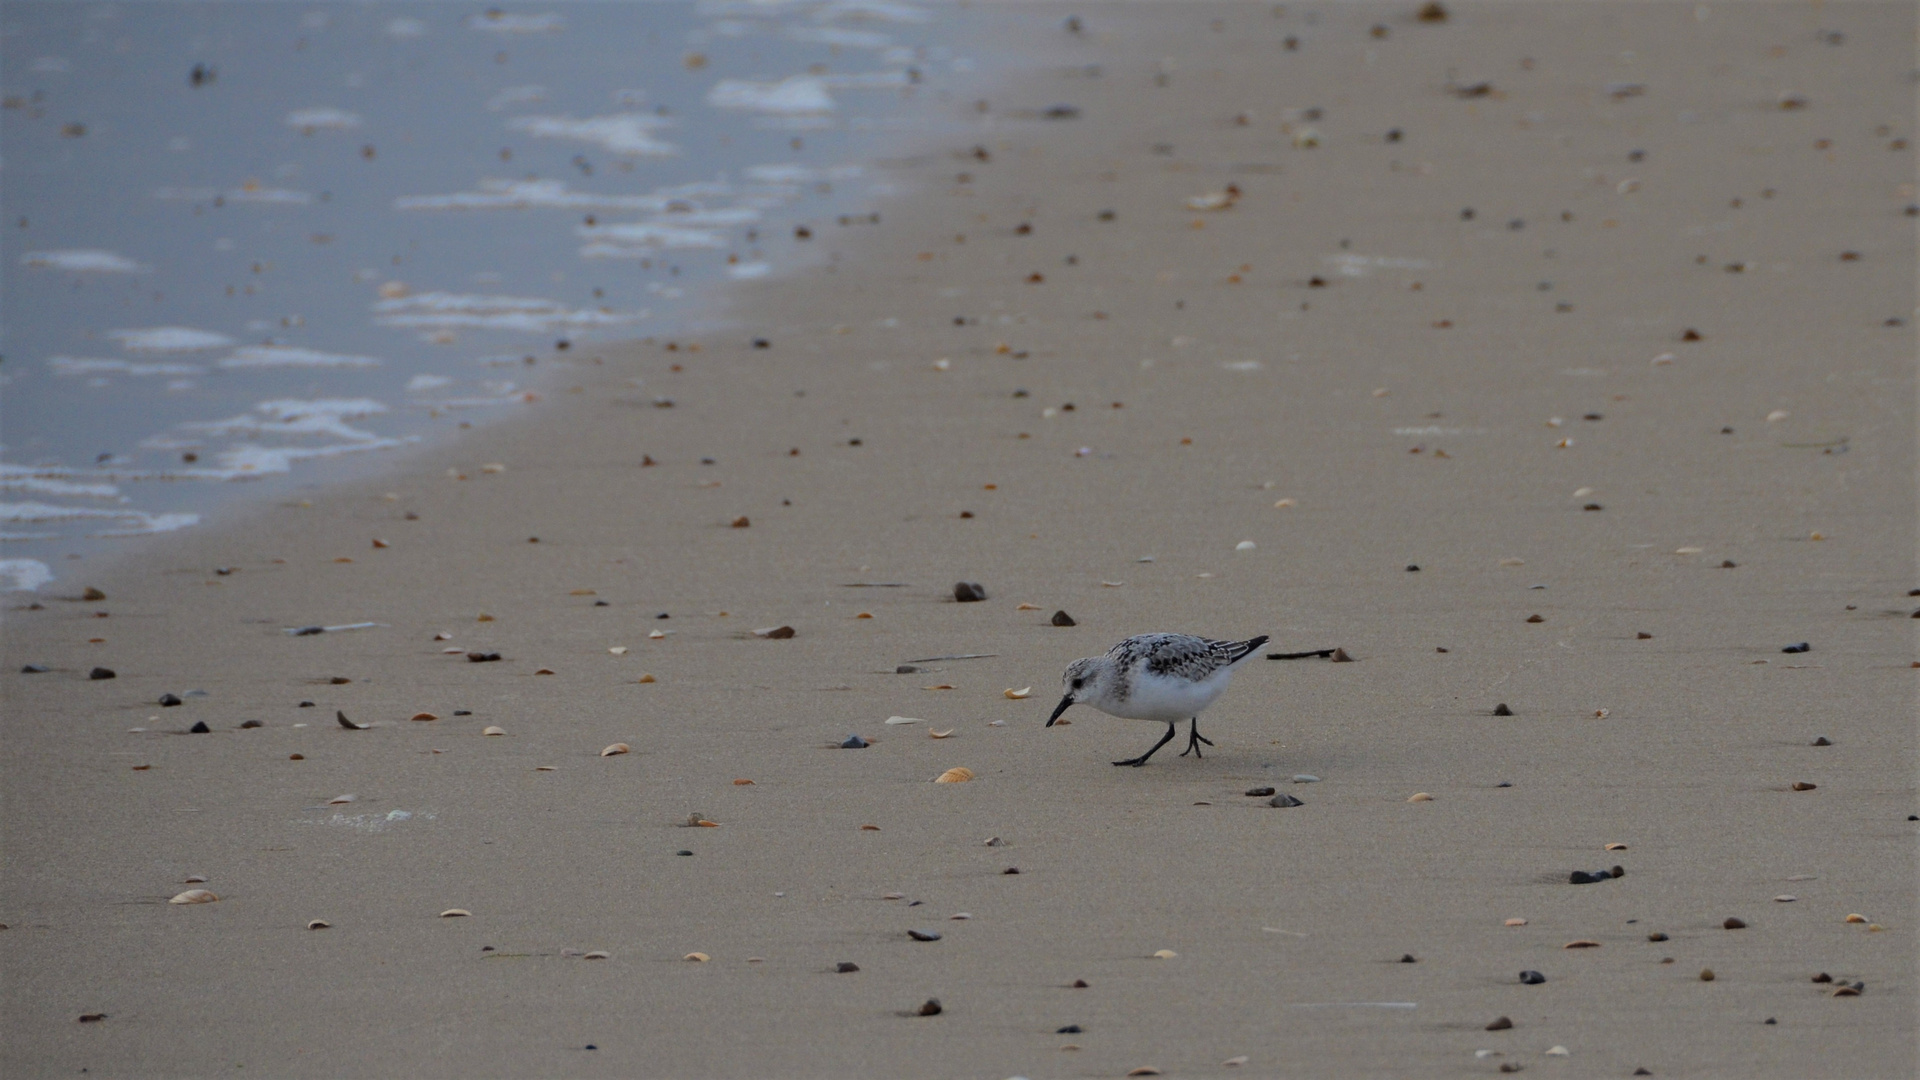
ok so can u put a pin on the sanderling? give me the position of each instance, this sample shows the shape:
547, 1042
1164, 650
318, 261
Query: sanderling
1165, 678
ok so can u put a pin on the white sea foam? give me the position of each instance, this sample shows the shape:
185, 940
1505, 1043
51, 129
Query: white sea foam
139, 522
501, 22
169, 339
82, 260
649, 235
27, 478
406, 28
76, 365
629, 134
783, 173
249, 192
749, 271
427, 382
438, 310
283, 356
322, 118
529, 194
869, 11
796, 95
24, 575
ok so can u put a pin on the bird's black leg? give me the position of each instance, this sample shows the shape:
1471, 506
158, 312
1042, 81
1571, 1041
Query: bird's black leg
1142, 759
1194, 739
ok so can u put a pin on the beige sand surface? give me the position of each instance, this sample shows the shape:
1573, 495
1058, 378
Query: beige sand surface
1405, 408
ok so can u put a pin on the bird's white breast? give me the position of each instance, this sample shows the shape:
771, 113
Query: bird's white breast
1166, 698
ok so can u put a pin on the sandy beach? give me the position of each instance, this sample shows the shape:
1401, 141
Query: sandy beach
1554, 357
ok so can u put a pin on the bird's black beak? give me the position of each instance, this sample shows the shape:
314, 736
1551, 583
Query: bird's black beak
1065, 704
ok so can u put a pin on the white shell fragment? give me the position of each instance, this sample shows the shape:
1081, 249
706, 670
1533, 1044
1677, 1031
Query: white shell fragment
697, 957
195, 896
339, 800
904, 720
1245, 545
598, 954
456, 913
1015, 695
493, 729
616, 749
1165, 954
618, 650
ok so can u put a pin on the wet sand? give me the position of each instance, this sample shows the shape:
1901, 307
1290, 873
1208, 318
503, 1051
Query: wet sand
908, 425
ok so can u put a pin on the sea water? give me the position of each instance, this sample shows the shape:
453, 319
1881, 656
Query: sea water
272, 243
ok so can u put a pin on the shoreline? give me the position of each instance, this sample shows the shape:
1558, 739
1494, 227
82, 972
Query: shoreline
908, 426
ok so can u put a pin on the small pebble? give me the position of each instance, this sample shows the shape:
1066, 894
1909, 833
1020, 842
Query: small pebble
168, 700
1070, 1029
199, 728
1259, 792
854, 742
1409, 958
35, 669
1061, 618
1502, 710
846, 967
1532, 978
1656, 936
101, 673
931, 1007
1284, 801
1822, 741
924, 935
1305, 778
1706, 974
1501, 1024
1734, 924
1798, 648
967, 592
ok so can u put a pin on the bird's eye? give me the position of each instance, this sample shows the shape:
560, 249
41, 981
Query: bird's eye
1077, 683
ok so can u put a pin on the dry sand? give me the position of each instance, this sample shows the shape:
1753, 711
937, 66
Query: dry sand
1404, 407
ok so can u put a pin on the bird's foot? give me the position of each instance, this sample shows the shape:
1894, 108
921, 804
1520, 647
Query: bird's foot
1136, 762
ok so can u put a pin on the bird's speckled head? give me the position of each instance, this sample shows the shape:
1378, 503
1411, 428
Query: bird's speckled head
1080, 683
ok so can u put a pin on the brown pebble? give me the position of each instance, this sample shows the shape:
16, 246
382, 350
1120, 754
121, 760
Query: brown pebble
1340, 656
1822, 740
1656, 936
741, 522
1706, 974
296, 757
1535, 619
92, 1018
931, 1007
1734, 924
1643, 636
1802, 785
1501, 1024
1823, 977
1079, 984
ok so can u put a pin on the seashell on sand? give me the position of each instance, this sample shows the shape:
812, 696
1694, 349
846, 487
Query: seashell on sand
1016, 695
456, 913
194, 896
615, 749
492, 729
318, 924
697, 957
954, 776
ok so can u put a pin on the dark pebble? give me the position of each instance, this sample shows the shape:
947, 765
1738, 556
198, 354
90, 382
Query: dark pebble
1801, 647
1823, 977
1502, 710
35, 669
1643, 636
1728, 564
1593, 506
1734, 924
102, 673
1618, 872
590, 1046
1769, 1020
1504, 783
1070, 1029
854, 742
338, 680
1413, 568
906, 669
931, 1007
168, 700
1656, 936
683, 851
761, 343
199, 728
1643, 1072
1284, 801
1409, 958
1259, 792
967, 592
1079, 984
1011, 870
463, 712
846, 967
309, 631
601, 603
482, 657
1501, 1024
1581, 877
306, 705
1061, 618
92, 1018
1532, 978
251, 724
